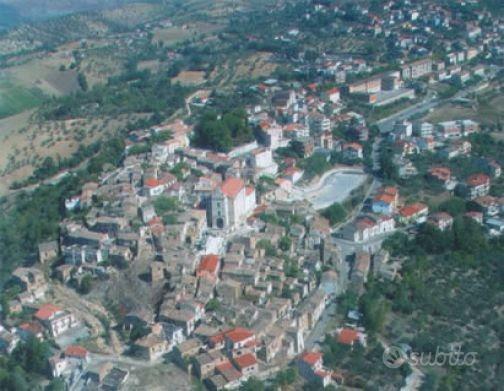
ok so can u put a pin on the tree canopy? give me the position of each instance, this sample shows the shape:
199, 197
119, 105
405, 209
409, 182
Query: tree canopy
222, 133
334, 213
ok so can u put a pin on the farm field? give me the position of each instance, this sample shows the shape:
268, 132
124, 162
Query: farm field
15, 98
488, 109
190, 78
24, 144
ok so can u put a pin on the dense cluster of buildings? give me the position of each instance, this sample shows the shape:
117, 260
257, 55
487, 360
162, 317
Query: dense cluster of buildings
235, 275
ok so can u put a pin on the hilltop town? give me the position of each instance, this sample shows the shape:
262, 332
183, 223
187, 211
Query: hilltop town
278, 230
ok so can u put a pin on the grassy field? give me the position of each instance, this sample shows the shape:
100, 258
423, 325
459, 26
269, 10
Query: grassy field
15, 99
489, 110
25, 141
190, 78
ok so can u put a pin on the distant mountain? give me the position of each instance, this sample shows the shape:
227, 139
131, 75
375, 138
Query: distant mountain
13, 12
9, 16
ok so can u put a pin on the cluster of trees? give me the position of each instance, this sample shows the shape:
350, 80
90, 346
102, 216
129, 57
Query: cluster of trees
101, 153
18, 371
335, 213
145, 93
164, 205
33, 217
449, 279
222, 132
365, 363
268, 247
316, 164
155, 137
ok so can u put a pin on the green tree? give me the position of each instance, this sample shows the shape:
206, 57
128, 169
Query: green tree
86, 284
56, 385
433, 240
267, 246
316, 164
454, 206
81, 79
212, 305
286, 377
374, 310
285, 243
221, 134
334, 213
32, 355
164, 205
252, 384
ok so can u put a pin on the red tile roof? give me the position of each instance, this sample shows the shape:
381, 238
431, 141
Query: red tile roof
385, 198
229, 372
477, 180
441, 173
391, 190
32, 327
209, 263
364, 222
247, 360
311, 358
440, 216
355, 146
76, 351
238, 334
413, 209
291, 170
474, 215
151, 182
348, 336
47, 311
224, 366
321, 373
232, 186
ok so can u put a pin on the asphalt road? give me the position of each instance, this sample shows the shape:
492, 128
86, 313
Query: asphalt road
431, 101
387, 124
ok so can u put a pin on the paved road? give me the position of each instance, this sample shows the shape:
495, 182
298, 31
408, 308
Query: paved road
317, 335
387, 124
348, 247
431, 101
97, 358
375, 153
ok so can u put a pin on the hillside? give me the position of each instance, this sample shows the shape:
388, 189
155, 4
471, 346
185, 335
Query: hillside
41, 9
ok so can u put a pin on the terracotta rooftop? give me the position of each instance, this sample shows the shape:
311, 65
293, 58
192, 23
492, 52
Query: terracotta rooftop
238, 334
232, 187
477, 180
413, 209
76, 351
442, 173
151, 182
355, 146
348, 336
209, 263
386, 198
440, 216
311, 357
32, 327
47, 311
245, 361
